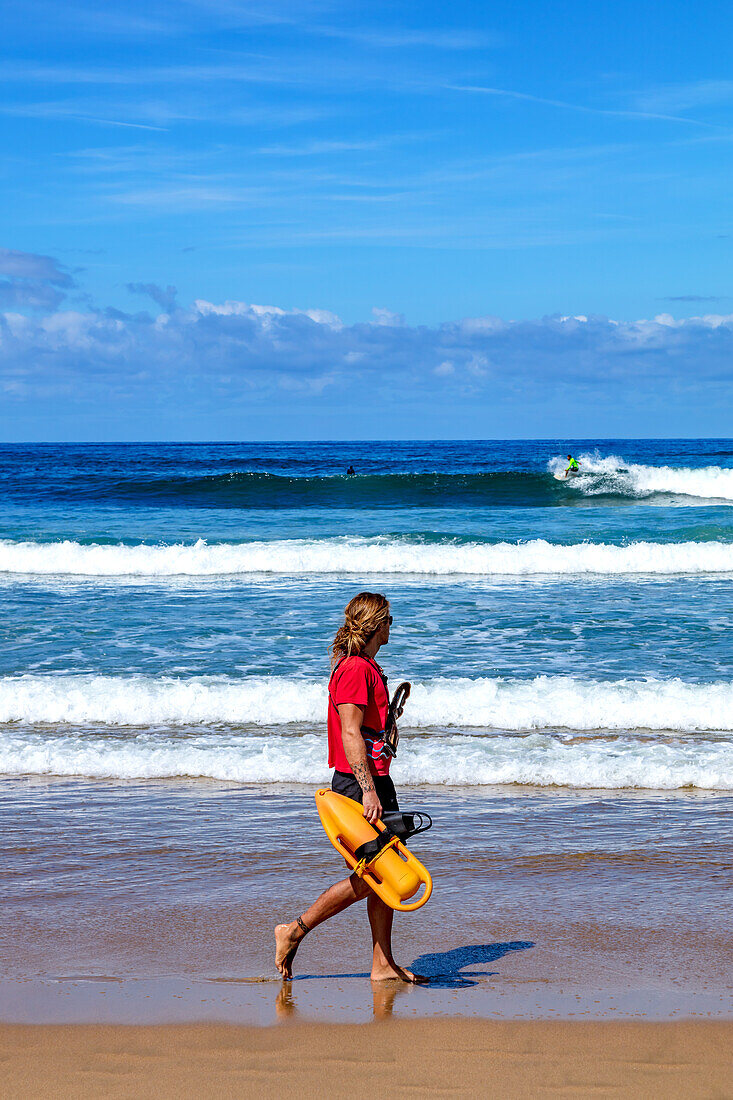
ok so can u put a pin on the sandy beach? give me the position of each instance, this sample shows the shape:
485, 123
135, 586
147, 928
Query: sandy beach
555, 971
406, 1058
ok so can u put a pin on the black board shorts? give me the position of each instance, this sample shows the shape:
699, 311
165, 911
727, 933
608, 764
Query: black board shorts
345, 783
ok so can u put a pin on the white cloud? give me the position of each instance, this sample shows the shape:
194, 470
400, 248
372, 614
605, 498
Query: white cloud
247, 309
31, 281
387, 317
234, 348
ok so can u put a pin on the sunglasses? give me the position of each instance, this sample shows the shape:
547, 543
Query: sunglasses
389, 620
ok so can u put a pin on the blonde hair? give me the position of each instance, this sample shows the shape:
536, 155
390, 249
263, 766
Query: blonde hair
363, 616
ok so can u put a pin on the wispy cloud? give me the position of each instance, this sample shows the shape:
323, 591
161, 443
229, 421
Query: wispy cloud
696, 298
336, 146
401, 38
505, 93
312, 18
123, 159
256, 70
681, 97
161, 114
73, 112
164, 296
29, 265
96, 20
181, 196
320, 148
118, 122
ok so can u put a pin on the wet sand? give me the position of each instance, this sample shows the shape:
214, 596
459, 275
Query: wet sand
403, 1058
565, 928
544, 903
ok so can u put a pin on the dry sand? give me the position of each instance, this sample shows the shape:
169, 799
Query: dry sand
418, 1058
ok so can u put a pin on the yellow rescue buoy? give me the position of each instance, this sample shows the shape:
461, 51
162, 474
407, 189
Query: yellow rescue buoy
392, 871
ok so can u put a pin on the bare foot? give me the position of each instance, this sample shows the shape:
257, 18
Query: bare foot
394, 972
286, 944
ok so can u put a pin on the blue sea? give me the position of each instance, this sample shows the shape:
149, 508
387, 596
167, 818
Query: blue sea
166, 612
167, 609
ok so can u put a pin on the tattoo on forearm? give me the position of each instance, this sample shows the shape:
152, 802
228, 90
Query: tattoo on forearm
364, 777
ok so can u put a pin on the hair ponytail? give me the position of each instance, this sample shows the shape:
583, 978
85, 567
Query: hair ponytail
363, 616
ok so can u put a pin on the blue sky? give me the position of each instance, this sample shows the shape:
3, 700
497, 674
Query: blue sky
418, 192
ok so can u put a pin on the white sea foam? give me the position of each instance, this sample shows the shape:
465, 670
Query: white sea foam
610, 474
362, 556
468, 760
556, 702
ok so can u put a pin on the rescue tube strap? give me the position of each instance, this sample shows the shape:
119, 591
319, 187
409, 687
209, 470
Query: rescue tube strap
367, 854
398, 826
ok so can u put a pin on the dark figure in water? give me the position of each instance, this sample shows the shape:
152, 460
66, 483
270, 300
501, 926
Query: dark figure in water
351, 471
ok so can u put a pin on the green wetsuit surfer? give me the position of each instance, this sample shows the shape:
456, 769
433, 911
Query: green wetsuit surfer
573, 467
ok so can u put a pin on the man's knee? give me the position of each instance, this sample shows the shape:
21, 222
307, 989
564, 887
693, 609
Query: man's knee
359, 887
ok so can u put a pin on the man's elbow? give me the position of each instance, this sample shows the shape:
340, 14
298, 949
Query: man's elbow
351, 738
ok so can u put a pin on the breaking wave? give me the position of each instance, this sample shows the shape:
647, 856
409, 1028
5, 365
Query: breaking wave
611, 476
537, 759
139, 727
558, 702
360, 556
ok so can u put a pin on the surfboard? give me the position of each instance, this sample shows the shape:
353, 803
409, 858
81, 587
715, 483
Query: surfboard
562, 476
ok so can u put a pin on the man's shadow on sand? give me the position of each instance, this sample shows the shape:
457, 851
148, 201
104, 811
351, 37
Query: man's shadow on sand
447, 969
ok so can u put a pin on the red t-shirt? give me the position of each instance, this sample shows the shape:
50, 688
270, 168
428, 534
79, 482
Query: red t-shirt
358, 680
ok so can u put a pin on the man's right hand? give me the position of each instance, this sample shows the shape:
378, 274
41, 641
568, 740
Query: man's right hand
372, 806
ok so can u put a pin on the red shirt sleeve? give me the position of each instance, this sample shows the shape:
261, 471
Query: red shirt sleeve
351, 683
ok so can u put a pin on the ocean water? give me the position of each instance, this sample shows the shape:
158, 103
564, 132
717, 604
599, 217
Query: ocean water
166, 609
166, 613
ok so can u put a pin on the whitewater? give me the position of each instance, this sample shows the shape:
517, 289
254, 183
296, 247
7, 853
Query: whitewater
458, 760
611, 475
358, 555
558, 702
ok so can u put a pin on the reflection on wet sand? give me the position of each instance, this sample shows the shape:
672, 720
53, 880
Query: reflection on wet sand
285, 1006
384, 995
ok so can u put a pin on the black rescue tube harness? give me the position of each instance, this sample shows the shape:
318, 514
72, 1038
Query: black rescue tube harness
396, 707
397, 826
